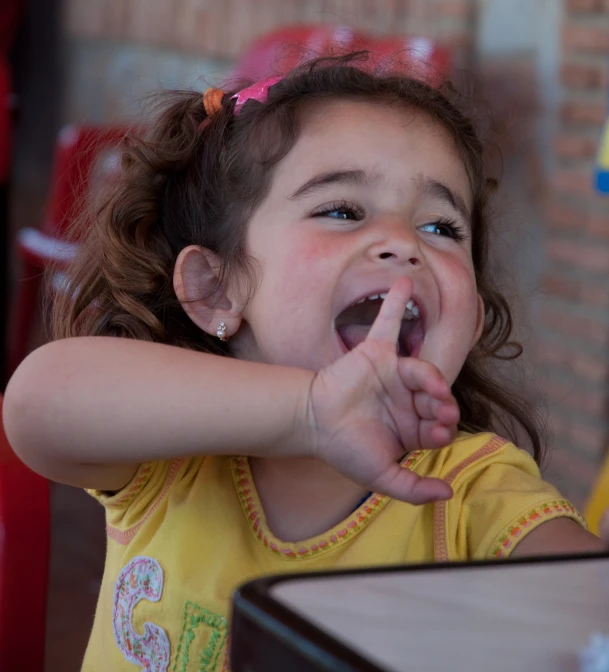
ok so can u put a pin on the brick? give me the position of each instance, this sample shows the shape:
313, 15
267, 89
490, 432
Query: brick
84, 19
152, 22
589, 402
593, 370
462, 42
584, 76
589, 39
188, 25
553, 353
453, 9
224, 46
215, 29
379, 15
312, 11
574, 182
585, 368
571, 146
574, 467
598, 225
204, 26
563, 322
559, 424
588, 439
577, 6
561, 286
117, 18
579, 112
595, 295
562, 217
580, 254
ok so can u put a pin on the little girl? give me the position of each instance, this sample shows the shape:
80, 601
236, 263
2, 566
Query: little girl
283, 317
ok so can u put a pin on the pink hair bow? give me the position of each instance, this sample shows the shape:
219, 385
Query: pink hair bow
258, 91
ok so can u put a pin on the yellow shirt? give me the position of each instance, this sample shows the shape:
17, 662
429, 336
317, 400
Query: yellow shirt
183, 534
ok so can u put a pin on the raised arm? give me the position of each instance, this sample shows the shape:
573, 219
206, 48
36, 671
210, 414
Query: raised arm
87, 411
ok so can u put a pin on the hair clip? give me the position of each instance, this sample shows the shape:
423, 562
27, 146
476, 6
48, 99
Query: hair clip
258, 91
212, 100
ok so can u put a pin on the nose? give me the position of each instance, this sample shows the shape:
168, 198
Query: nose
396, 242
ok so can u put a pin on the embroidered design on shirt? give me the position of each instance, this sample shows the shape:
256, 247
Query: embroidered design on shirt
440, 540
140, 579
203, 631
533, 517
360, 518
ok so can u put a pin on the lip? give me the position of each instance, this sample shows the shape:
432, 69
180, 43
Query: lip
372, 292
340, 341
414, 296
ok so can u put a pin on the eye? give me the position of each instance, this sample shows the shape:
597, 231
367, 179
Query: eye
448, 228
342, 211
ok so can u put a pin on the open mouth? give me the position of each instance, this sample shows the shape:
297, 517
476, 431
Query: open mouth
353, 325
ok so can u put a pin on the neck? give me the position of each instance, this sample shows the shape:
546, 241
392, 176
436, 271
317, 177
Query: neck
303, 497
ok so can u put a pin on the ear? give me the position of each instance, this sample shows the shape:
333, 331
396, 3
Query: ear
205, 301
480, 320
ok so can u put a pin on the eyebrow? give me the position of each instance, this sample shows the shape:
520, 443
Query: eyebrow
345, 177
357, 177
441, 192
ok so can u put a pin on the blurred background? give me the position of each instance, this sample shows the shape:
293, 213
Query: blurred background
541, 65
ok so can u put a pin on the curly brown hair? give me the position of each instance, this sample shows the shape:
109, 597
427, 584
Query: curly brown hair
189, 182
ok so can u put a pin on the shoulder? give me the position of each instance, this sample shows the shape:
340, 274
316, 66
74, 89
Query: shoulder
499, 498
469, 454
150, 490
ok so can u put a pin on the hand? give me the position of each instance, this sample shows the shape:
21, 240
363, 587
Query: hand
371, 407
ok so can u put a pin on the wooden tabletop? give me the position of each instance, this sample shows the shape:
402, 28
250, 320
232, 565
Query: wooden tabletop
501, 616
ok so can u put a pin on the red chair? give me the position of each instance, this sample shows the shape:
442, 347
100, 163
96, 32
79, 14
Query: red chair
81, 154
24, 562
281, 50
5, 121
11, 12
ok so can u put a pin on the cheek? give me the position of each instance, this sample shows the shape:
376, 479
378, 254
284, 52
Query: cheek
308, 261
460, 280
313, 251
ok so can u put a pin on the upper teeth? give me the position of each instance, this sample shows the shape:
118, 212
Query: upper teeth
412, 310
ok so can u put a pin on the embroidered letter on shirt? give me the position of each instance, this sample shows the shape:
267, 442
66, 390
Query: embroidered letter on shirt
141, 579
204, 638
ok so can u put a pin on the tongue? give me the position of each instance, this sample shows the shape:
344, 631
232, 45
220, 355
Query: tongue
353, 334
409, 342
411, 338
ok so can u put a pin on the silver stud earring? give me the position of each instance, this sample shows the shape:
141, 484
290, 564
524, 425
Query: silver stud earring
221, 332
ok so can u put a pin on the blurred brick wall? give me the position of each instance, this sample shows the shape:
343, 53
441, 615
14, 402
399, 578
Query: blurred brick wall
118, 51
221, 28
574, 319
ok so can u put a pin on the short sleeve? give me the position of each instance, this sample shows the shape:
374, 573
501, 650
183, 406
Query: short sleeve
131, 505
499, 499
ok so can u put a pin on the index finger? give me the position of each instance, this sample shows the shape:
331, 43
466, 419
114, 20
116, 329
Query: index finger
386, 326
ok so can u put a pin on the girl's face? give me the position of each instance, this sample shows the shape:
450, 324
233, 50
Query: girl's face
368, 193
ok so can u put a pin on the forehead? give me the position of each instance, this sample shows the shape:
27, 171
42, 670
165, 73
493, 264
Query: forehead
390, 140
